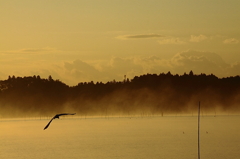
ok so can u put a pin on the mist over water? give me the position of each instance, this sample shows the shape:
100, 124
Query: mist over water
147, 94
136, 137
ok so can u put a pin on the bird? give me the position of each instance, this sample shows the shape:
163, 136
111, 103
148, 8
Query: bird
57, 116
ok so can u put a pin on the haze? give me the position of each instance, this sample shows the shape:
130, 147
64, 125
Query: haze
81, 40
146, 95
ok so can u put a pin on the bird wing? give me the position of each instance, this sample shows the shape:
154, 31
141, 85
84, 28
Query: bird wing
66, 114
48, 123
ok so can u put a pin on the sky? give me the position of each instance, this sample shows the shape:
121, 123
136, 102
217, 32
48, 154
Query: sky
104, 40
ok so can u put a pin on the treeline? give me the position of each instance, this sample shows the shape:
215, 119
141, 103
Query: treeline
145, 94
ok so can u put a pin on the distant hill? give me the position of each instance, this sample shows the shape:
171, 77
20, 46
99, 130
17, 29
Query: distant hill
145, 94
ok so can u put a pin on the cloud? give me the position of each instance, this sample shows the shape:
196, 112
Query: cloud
75, 71
231, 41
31, 51
140, 36
37, 50
81, 70
176, 41
234, 69
118, 67
198, 38
114, 69
199, 62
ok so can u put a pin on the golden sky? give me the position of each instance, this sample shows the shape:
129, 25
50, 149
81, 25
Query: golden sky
101, 40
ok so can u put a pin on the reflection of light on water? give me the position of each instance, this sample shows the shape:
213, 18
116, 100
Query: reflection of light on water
114, 137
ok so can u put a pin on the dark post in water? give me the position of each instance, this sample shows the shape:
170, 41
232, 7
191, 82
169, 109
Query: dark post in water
199, 130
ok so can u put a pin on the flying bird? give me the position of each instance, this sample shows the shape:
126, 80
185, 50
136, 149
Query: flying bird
56, 116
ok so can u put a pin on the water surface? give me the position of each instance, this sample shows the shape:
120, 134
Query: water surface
170, 137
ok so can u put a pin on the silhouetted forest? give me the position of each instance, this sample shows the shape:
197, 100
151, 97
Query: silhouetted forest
145, 94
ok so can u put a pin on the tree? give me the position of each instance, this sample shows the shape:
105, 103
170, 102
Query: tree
191, 73
50, 78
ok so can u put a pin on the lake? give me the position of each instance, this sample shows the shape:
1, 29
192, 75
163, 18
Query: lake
150, 137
